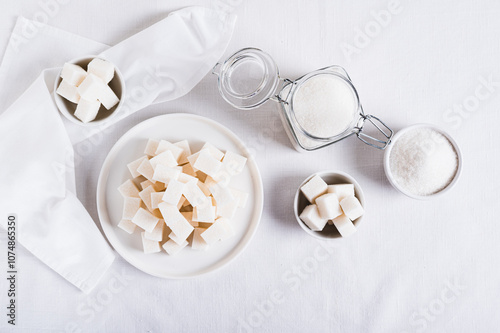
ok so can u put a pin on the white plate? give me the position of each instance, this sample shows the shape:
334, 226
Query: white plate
187, 263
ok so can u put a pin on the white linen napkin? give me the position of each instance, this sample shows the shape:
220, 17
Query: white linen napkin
37, 177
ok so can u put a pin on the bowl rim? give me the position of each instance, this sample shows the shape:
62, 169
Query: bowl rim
357, 188
64, 111
390, 177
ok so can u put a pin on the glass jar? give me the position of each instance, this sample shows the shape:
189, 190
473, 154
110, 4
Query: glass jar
317, 109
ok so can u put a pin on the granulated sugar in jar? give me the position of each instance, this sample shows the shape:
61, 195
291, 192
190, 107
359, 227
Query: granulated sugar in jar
423, 161
325, 106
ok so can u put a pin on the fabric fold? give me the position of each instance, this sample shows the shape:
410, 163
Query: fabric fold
37, 173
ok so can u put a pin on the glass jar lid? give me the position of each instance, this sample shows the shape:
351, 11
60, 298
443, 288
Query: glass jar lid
248, 78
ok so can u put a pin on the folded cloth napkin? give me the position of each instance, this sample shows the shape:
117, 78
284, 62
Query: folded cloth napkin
37, 176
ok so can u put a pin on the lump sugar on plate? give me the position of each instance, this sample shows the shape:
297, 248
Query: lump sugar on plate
128, 189
151, 147
127, 226
130, 207
148, 245
183, 201
145, 220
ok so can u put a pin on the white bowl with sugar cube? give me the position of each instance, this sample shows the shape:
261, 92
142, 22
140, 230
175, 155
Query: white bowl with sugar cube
89, 90
329, 205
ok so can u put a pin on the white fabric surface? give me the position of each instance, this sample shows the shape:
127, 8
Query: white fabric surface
175, 53
400, 272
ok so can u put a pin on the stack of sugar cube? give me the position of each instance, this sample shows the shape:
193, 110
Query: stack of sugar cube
88, 89
177, 198
332, 204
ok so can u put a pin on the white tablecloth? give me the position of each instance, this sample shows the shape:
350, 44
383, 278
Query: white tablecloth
413, 266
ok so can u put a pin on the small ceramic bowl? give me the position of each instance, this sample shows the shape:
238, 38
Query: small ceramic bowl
387, 167
330, 232
67, 108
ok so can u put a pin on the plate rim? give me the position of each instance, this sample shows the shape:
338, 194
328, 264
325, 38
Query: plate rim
257, 181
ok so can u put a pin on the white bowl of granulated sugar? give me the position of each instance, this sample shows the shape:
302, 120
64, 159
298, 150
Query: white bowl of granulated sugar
422, 161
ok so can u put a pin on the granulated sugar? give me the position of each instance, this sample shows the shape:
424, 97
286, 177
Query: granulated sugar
423, 161
325, 105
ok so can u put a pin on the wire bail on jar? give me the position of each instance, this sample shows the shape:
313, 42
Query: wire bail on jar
379, 125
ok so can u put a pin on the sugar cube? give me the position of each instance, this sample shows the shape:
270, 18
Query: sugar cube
341, 190
198, 241
91, 88
166, 145
182, 202
128, 189
166, 158
216, 153
148, 245
189, 217
151, 147
233, 163
310, 216
207, 164
228, 228
314, 188
174, 191
164, 173
222, 195
132, 166
192, 159
209, 181
87, 110
145, 220
157, 233
352, 207
328, 206
200, 175
73, 74
228, 210
185, 178
194, 194
130, 207
215, 232
156, 198
108, 97
102, 69
344, 225
186, 150
204, 213
240, 196
204, 188
158, 186
188, 170
222, 177
175, 220
175, 238
145, 195
146, 169
127, 226
68, 91
173, 248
